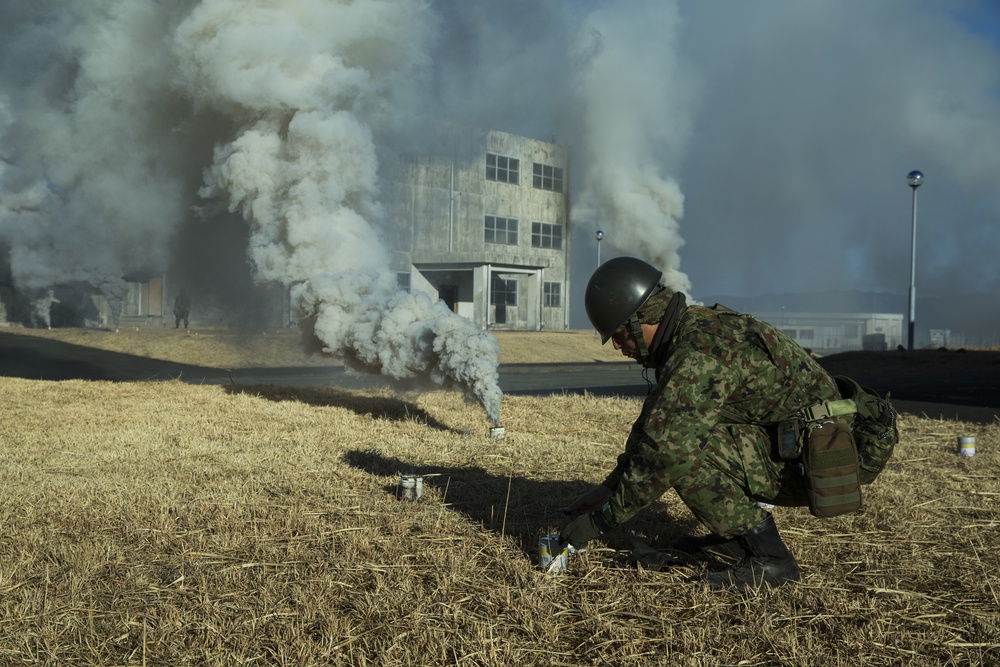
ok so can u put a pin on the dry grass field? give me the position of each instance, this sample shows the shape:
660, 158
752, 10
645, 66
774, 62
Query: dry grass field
172, 524
275, 348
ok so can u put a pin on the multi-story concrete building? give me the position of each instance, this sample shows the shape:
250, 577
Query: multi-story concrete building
487, 231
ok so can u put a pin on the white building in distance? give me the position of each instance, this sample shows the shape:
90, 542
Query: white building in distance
838, 332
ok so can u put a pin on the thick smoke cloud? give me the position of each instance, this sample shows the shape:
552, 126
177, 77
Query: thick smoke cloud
741, 147
310, 85
90, 178
636, 118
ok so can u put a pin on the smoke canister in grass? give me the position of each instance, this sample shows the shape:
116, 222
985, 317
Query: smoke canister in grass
497, 432
552, 556
967, 445
411, 487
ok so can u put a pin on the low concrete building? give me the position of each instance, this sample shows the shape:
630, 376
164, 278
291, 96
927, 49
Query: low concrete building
839, 332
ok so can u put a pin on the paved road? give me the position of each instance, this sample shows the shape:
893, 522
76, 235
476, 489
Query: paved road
967, 395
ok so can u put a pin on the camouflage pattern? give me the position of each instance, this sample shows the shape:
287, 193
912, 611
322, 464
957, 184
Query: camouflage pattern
681, 440
655, 306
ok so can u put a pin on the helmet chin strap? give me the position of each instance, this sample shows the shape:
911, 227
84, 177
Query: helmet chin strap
635, 326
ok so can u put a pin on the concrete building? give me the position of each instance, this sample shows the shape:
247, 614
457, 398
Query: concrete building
839, 332
487, 231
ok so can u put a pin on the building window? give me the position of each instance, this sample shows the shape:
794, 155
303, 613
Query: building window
502, 168
504, 291
500, 230
552, 295
403, 281
806, 334
544, 235
546, 177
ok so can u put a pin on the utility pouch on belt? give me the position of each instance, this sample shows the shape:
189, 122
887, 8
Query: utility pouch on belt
831, 467
842, 444
791, 439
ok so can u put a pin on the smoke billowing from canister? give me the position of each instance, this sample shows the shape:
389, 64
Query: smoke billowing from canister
302, 169
42, 307
91, 177
271, 109
363, 317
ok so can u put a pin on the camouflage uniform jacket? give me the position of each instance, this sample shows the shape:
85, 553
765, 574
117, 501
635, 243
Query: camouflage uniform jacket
715, 357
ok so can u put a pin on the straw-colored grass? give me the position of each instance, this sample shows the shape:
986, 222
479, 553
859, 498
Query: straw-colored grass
170, 524
231, 348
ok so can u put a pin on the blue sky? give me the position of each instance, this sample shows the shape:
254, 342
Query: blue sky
983, 18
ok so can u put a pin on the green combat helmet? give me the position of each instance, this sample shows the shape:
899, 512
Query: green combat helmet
616, 291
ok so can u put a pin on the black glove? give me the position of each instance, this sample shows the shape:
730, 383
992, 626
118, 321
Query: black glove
587, 527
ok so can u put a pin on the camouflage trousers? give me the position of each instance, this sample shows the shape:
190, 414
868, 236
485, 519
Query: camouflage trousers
736, 469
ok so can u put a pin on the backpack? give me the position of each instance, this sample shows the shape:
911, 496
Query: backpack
875, 430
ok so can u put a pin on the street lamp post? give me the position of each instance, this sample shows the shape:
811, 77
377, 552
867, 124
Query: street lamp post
914, 179
599, 235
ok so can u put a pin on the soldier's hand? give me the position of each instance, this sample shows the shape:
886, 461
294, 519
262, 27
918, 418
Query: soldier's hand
587, 527
588, 502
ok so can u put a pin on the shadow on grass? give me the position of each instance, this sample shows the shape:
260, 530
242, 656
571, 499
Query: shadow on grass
519, 507
377, 407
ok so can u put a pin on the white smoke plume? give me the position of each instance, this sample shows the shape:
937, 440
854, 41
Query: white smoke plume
114, 115
90, 179
106, 134
363, 317
634, 101
43, 307
302, 169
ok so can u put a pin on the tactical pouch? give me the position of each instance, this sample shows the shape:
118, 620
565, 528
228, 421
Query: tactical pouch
831, 467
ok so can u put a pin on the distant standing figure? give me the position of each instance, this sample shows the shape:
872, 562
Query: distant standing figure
182, 309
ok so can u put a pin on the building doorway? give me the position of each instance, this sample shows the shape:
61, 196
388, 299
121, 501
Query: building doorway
449, 294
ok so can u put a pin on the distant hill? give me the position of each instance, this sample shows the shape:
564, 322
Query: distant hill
973, 319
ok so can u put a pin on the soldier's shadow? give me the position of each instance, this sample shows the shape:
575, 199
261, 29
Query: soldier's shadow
520, 507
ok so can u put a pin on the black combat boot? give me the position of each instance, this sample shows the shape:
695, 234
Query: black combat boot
728, 551
767, 562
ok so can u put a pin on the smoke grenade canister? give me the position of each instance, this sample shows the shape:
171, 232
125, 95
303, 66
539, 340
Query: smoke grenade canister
411, 487
552, 557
